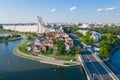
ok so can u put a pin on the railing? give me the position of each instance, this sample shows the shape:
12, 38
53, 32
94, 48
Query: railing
85, 68
103, 65
106, 68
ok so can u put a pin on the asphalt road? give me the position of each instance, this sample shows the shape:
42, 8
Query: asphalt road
95, 67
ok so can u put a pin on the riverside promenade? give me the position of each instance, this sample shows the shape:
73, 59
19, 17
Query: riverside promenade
45, 59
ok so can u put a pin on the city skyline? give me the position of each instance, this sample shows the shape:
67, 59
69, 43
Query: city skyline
103, 11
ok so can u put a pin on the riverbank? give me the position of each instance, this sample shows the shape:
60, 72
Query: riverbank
13, 67
6, 36
46, 59
2, 79
11, 39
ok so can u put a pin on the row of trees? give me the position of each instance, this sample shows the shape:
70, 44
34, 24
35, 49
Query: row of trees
109, 29
74, 50
8, 37
106, 44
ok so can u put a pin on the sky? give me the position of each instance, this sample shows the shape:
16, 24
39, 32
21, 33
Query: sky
85, 11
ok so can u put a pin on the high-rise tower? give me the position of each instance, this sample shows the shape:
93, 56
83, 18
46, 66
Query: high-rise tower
39, 24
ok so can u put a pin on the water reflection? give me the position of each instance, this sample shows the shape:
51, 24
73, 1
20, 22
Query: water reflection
114, 62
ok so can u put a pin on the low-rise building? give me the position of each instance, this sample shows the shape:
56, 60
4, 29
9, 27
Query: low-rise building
96, 36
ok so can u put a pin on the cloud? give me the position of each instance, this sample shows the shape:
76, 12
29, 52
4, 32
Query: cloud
73, 8
99, 10
106, 9
53, 10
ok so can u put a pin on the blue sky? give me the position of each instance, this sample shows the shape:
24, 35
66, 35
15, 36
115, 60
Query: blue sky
18, 11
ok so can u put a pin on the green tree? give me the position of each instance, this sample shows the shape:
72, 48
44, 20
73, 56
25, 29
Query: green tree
87, 39
101, 54
49, 52
30, 37
75, 50
104, 53
61, 46
2, 79
6, 38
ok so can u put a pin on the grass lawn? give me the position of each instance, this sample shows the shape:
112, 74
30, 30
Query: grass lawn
67, 58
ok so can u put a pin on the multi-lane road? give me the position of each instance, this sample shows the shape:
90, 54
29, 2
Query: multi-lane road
97, 70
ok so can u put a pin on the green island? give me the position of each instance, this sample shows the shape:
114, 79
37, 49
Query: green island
9, 36
56, 55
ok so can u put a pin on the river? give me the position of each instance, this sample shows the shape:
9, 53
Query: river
13, 67
114, 62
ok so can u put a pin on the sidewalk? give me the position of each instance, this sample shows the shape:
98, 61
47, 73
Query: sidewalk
45, 59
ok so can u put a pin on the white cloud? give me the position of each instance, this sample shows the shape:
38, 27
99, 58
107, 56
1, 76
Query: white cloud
106, 9
73, 8
99, 10
53, 10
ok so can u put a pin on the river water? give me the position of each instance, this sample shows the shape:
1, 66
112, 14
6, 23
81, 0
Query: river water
114, 62
13, 67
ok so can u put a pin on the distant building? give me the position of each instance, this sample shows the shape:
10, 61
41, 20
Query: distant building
96, 36
86, 25
83, 31
40, 25
27, 27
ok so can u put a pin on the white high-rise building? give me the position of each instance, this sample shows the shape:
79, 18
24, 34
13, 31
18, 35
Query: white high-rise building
40, 25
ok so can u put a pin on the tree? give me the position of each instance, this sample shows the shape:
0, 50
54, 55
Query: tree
49, 52
6, 38
88, 34
2, 79
104, 52
109, 29
61, 46
30, 37
75, 50
101, 52
87, 39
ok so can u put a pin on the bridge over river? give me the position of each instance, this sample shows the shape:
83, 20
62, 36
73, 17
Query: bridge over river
94, 68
